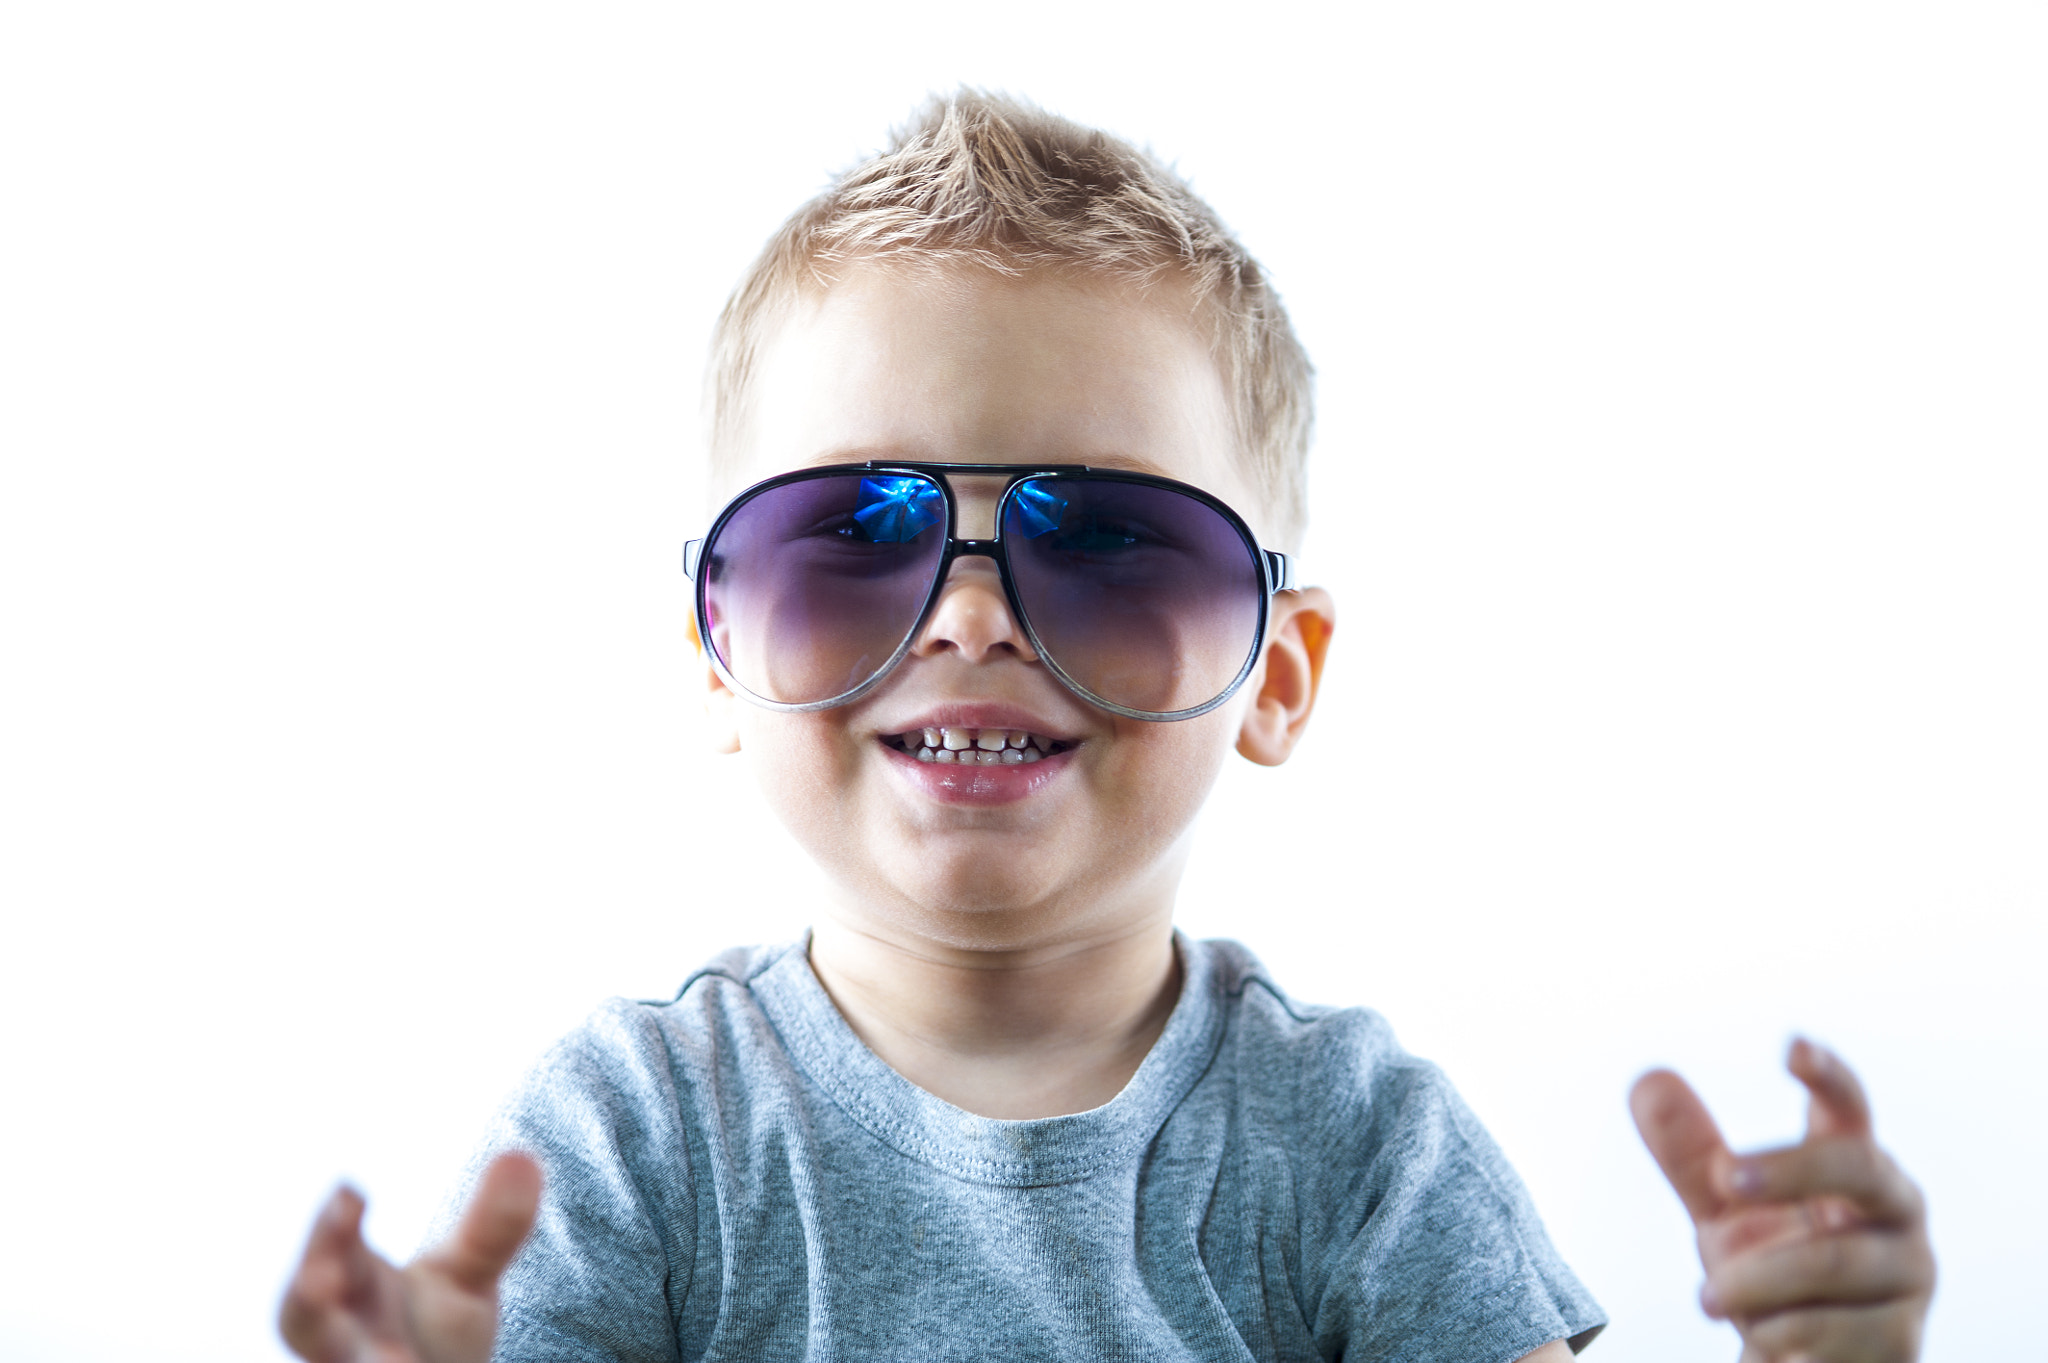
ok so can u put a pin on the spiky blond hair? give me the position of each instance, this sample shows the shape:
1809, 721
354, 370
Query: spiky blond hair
988, 181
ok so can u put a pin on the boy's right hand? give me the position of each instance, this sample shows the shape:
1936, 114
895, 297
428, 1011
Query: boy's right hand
346, 1304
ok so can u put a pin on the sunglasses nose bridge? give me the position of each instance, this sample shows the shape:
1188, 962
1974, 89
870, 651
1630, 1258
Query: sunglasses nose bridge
977, 498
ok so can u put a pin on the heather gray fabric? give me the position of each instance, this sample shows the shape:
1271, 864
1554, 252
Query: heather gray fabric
733, 1175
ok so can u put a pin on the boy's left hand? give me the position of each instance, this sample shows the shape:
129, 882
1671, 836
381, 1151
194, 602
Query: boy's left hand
1815, 1252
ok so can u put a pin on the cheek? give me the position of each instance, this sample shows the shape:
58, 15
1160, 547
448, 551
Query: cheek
802, 764
1163, 772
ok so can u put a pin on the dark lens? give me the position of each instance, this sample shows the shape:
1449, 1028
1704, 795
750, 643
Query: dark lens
811, 586
1147, 597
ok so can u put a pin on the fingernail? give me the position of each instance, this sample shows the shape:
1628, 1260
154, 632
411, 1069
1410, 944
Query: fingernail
1817, 1055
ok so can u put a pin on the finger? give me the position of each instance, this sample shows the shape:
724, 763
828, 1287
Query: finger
318, 1336
496, 1222
1739, 1229
1848, 1269
334, 1267
1851, 1167
334, 1272
1836, 1103
1888, 1331
1681, 1134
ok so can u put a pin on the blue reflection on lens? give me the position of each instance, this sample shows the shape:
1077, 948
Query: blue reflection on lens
898, 510
1038, 509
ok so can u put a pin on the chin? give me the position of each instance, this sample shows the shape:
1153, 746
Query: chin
983, 910
979, 895
981, 915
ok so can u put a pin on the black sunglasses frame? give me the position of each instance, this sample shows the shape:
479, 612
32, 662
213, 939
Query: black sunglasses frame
1276, 571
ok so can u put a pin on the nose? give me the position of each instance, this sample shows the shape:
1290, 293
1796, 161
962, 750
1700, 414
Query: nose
973, 618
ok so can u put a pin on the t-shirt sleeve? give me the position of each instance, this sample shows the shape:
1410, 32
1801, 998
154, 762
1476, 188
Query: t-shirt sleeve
1427, 1246
603, 1275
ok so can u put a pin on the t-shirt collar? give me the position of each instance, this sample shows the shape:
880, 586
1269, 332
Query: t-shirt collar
1031, 1153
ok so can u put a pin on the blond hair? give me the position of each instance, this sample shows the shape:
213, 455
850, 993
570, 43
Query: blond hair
993, 182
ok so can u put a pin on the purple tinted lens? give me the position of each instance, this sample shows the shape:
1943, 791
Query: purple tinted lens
810, 587
1147, 597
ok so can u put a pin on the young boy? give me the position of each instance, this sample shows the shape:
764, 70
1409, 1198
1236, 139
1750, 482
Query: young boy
1008, 429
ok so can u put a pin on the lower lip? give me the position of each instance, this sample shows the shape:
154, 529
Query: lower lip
1003, 784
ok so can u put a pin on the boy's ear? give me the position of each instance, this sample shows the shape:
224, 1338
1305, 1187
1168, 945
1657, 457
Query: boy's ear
1297, 641
719, 701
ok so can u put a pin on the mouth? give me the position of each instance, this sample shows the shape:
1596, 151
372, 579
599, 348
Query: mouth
971, 747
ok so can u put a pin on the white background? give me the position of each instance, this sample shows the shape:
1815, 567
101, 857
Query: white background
1684, 417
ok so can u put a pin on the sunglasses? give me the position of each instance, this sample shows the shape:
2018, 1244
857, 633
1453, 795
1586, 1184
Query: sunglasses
1144, 596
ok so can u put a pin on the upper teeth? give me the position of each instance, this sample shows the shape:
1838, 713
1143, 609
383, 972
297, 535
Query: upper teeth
983, 747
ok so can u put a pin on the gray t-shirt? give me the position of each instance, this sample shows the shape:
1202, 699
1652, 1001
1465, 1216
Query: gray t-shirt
733, 1175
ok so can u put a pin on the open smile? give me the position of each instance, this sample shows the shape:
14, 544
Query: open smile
986, 747
957, 765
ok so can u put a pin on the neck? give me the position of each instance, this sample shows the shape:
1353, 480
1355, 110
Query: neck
1036, 1031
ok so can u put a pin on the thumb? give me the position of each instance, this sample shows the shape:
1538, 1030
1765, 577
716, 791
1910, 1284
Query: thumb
500, 1214
1682, 1136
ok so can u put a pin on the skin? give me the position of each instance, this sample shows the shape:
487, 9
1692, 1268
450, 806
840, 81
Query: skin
1017, 959
1815, 1251
346, 1304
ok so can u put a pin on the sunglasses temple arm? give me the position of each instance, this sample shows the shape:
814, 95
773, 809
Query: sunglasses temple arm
1279, 570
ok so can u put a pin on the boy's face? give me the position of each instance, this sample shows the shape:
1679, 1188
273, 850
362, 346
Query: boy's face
969, 367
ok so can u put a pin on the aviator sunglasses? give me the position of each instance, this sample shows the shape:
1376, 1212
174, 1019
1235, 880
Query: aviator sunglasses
1144, 596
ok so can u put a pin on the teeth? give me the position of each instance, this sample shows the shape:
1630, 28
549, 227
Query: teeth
976, 747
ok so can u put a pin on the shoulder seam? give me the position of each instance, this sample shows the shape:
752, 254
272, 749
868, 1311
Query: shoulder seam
1279, 996
716, 972
705, 972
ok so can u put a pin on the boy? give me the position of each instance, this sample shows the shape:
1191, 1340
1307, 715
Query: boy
1009, 429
